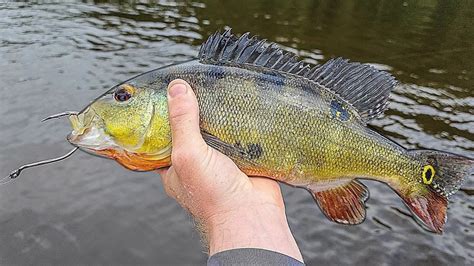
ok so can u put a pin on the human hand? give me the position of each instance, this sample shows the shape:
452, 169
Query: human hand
235, 211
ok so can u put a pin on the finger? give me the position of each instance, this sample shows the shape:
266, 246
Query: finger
184, 116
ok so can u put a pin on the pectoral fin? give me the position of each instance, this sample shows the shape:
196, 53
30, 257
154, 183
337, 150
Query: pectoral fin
343, 204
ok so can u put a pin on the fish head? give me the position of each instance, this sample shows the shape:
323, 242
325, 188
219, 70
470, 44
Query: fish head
129, 124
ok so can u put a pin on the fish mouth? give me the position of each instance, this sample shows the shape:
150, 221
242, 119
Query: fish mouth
88, 134
88, 131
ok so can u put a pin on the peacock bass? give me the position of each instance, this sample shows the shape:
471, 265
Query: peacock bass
280, 118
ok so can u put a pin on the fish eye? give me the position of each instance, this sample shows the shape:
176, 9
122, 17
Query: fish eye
124, 93
428, 174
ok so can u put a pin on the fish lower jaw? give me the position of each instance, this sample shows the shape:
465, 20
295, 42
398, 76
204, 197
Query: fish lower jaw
135, 161
92, 139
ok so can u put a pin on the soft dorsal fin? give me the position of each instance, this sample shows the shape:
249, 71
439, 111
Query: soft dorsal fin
361, 86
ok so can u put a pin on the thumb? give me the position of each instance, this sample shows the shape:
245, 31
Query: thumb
184, 116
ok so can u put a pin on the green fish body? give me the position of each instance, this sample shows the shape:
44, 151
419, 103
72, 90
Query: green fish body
278, 117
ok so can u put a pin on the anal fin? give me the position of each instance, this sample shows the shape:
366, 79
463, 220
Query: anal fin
343, 204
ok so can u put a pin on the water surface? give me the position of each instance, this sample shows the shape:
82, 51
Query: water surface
56, 57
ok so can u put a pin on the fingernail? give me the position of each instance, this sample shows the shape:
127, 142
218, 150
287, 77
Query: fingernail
177, 90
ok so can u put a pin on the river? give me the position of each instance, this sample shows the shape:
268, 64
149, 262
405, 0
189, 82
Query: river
56, 57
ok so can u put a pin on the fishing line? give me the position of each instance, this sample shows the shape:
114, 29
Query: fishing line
17, 172
67, 113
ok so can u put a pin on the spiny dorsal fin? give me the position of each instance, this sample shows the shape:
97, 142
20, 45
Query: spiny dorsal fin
361, 86
221, 48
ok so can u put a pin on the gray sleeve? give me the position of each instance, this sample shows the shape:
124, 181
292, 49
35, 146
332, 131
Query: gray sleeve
251, 256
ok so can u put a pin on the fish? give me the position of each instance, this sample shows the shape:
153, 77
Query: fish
278, 117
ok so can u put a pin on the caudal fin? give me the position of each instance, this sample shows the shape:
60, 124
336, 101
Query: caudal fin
442, 176
428, 210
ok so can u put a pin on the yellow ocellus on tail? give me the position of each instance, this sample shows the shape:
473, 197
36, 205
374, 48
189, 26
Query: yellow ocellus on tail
280, 118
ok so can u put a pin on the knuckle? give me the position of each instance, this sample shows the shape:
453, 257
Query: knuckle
180, 115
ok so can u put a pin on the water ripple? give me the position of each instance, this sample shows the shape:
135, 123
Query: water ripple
56, 57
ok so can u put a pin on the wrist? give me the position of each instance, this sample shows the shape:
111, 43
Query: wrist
246, 226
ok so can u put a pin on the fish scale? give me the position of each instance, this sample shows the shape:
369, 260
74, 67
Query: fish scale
280, 118
259, 114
